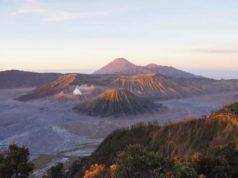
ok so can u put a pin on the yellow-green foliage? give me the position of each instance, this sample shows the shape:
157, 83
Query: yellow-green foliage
181, 139
232, 109
201, 135
100, 171
204, 141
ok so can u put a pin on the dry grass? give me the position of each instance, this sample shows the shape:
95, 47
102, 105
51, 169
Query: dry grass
181, 139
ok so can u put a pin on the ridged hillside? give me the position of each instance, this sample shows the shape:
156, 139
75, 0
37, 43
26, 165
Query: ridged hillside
50, 89
113, 102
154, 85
157, 86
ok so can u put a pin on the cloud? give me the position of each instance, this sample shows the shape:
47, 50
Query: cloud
30, 7
36, 7
67, 15
217, 51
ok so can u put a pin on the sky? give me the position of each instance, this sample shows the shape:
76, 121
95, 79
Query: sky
82, 36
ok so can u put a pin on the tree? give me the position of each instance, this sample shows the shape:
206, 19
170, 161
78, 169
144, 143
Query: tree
56, 171
5, 170
15, 163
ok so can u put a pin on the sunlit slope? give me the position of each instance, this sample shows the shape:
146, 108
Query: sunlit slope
49, 89
204, 135
155, 85
117, 102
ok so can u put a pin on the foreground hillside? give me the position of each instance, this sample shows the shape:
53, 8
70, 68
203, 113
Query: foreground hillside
207, 146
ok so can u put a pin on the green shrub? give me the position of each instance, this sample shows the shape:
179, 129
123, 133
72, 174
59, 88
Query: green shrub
136, 162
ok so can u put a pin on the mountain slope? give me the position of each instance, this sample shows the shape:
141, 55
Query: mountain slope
148, 84
123, 66
50, 89
114, 102
155, 85
170, 71
23, 79
158, 86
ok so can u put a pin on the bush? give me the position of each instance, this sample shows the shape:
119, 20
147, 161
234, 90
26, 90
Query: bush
100, 171
212, 167
136, 162
56, 171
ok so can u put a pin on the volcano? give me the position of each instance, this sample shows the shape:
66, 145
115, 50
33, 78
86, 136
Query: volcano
121, 66
117, 102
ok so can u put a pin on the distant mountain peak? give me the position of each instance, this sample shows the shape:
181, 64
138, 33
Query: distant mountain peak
153, 65
118, 65
122, 60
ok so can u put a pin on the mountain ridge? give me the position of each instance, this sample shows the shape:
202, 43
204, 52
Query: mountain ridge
148, 85
24, 79
124, 66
